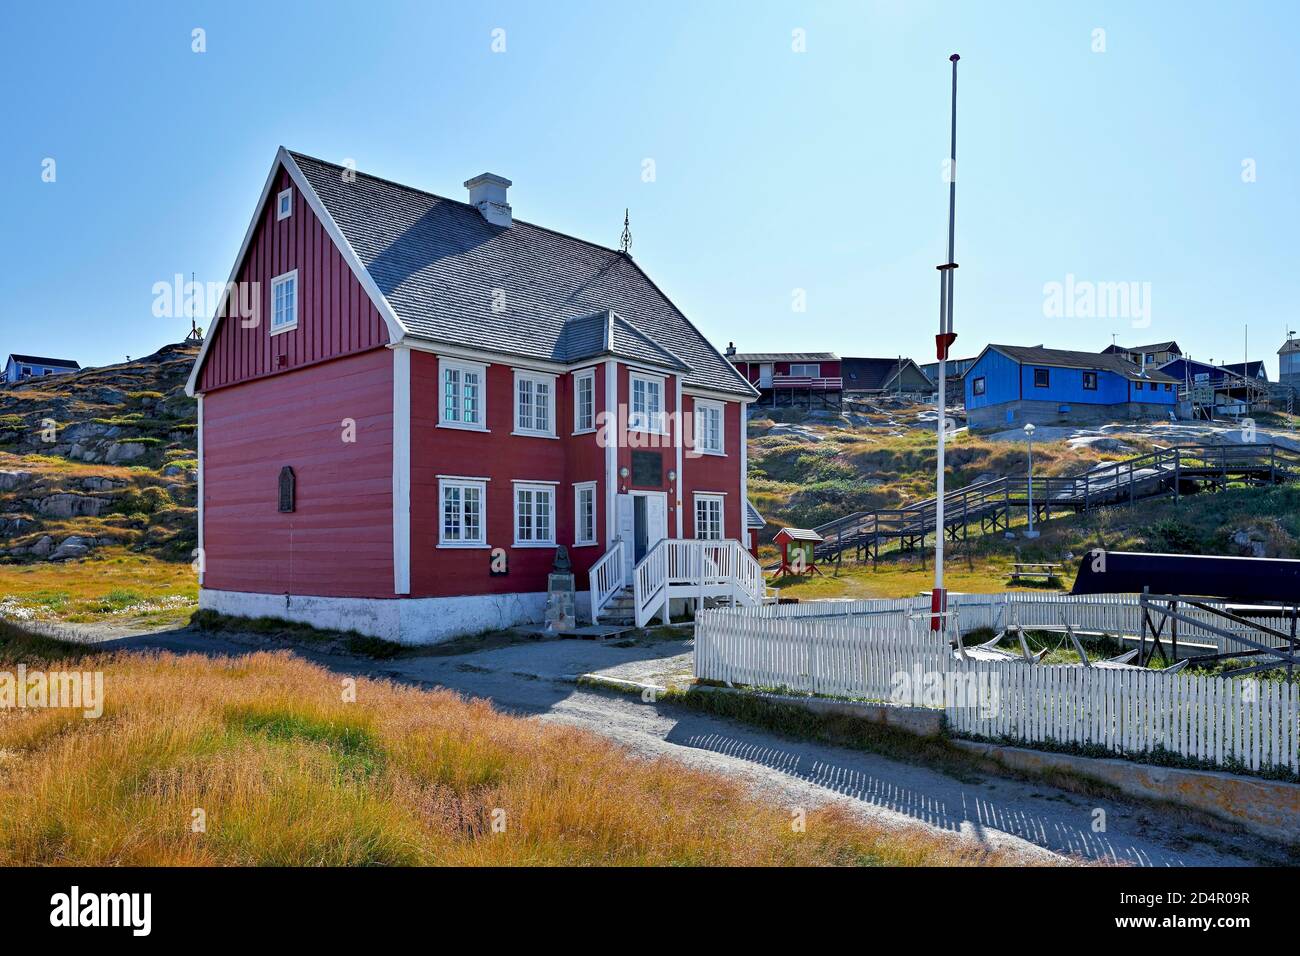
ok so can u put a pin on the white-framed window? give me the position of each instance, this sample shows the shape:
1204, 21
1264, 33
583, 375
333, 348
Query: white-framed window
284, 204
534, 514
462, 505
708, 427
584, 513
534, 403
462, 394
806, 371
284, 302
647, 406
708, 516
584, 401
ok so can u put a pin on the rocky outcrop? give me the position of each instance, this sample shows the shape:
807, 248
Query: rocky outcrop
127, 437
68, 505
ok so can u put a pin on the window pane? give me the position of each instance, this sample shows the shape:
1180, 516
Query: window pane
473, 514
541, 407
451, 514
452, 394
470, 413
525, 404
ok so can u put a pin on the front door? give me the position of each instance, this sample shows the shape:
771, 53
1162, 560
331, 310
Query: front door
643, 523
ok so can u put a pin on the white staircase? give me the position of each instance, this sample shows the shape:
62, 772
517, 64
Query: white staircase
714, 572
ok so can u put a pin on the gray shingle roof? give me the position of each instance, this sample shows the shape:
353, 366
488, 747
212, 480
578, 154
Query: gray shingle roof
869, 374
1156, 347
439, 264
753, 520
800, 534
1063, 358
785, 357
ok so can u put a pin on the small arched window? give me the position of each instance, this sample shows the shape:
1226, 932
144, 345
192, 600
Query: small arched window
287, 492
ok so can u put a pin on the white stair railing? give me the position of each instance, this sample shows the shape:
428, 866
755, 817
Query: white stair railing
607, 579
693, 568
650, 582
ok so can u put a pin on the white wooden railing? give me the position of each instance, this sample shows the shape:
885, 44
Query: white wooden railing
1232, 723
607, 579
691, 568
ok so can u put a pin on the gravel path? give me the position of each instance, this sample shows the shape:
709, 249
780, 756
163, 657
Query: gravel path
535, 679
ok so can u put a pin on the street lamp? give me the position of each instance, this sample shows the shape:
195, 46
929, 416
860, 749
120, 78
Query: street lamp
1029, 433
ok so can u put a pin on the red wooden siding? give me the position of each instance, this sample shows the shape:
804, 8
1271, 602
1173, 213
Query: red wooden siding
501, 457
716, 473
339, 541
335, 315
663, 445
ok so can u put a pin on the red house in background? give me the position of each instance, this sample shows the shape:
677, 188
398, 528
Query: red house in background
407, 402
792, 378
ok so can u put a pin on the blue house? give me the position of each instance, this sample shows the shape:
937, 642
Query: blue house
20, 367
1011, 385
1191, 372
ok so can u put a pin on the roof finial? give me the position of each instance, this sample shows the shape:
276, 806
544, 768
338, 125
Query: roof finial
625, 240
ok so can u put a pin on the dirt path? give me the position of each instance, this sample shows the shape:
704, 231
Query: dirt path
535, 679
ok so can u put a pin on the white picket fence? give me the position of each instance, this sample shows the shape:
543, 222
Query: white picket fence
1224, 722
1115, 614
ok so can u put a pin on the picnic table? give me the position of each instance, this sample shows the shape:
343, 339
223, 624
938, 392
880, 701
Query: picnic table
1021, 569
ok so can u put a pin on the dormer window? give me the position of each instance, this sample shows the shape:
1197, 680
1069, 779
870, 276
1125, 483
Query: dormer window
284, 204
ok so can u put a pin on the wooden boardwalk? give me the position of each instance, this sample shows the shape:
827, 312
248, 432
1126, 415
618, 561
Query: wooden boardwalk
988, 507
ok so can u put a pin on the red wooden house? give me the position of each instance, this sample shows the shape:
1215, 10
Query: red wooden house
791, 378
406, 402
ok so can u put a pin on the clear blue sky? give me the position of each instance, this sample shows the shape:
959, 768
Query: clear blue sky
775, 170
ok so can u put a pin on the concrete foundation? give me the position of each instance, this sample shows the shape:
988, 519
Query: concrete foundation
401, 620
1011, 414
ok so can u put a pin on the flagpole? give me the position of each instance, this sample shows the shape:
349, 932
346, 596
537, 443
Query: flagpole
943, 341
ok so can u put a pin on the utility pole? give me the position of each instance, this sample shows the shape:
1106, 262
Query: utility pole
943, 342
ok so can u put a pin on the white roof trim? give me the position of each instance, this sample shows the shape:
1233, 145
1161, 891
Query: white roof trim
396, 330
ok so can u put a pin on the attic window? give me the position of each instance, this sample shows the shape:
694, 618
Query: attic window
284, 302
288, 489
284, 204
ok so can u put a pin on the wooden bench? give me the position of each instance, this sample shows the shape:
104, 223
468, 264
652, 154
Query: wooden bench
1047, 572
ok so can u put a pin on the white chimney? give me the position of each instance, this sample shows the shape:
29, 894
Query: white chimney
487, 194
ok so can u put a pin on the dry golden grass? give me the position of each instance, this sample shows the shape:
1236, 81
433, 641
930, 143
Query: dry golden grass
289, 774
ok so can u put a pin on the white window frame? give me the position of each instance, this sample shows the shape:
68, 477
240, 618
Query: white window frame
700, 498
579, 538
446, 482
535, 488
281, 212
721, 409
536, 378
282, 279
586, 375
800, 370
634, 419
446, 365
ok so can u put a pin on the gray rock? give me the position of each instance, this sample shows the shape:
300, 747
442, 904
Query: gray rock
172, 470
9, 480
82, 430
68, 505
1257, 547
42, 547
71, 547
16, 525
123, 451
